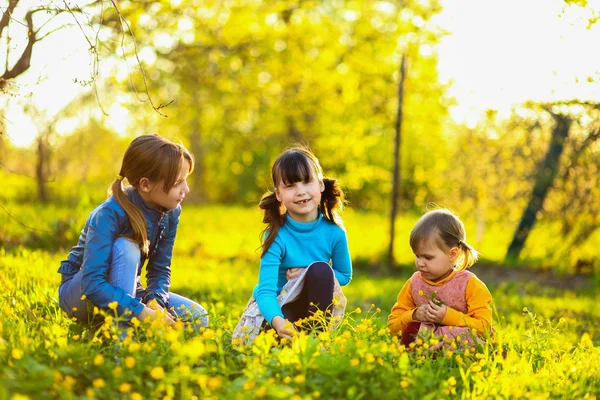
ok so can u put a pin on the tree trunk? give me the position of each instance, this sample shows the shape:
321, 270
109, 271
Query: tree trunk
396, 172
41, 169
197, 149
543, 183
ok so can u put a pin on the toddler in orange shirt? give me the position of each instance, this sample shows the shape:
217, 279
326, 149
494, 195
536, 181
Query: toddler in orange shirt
442, 298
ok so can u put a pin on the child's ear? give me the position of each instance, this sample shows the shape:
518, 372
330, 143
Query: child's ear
453, 254
322, 185
145, 185
277, 195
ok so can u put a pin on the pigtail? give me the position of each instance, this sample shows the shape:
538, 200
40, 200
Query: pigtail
332, 201
468, 255
272, 217
136, 218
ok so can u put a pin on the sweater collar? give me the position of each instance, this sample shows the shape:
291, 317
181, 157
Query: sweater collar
151, 213
303, 226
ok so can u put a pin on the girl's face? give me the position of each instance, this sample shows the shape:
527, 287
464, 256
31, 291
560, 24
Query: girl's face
301, 199
154, 194
433, 262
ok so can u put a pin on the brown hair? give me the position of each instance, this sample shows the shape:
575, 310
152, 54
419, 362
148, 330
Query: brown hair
156, 159
448, 231
297, 165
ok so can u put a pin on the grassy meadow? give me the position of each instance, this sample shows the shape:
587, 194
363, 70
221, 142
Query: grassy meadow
546, 343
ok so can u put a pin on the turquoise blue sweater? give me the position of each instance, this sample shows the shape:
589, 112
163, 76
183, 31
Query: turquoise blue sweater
299, 244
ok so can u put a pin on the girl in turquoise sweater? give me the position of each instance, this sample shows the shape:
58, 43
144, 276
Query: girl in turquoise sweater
305, 257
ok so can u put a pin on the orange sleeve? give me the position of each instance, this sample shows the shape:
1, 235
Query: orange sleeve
479, 310
402, 311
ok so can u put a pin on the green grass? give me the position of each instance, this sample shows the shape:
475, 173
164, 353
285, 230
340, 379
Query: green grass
551, 350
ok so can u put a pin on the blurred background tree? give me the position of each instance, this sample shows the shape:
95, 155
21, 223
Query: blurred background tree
239, 81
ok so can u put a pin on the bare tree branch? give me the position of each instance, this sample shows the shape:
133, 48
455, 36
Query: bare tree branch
20, 223
7, 15
137, 57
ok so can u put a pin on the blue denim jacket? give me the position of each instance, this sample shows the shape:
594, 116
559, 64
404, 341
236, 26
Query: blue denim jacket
93, 253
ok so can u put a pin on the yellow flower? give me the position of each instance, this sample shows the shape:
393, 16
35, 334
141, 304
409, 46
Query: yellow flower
98, 383
300, 379
125, 387
354, 362
451, 381
136, 396
99, 359
135, 322
17, 354
403, 384
113, 305
83, 297
129, 362
525, 310
420, 294
134, 347
214, 382
118, 372
287, 380
157, 373
76, 337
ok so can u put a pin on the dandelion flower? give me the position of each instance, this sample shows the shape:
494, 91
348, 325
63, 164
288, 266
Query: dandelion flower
300, 379
214, 382
99, 359
129, 362
98, 383
124, 387
403, 384
451, 381
17, 354
157, 373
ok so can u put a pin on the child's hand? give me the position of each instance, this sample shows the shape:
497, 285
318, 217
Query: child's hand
148, 312
283, 327
435, 313
420, 314
293, 272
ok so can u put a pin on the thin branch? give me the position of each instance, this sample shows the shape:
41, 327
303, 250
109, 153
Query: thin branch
20, 223
25, 61
124, 21
7, 15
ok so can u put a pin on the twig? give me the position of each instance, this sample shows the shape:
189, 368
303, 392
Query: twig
20, 223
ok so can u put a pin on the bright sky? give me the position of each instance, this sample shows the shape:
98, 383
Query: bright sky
498, 54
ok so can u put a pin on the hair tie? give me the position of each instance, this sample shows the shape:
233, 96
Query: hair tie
119, 177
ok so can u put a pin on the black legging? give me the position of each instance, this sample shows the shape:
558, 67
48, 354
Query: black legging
317, 289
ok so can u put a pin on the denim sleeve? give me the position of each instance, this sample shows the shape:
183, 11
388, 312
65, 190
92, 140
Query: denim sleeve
340, 259
103, 230
265, 292
158, 270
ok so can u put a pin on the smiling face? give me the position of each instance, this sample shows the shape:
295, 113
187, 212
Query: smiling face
301, 198
433, 262
154, 193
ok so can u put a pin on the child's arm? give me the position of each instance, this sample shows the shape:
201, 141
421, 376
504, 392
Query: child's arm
402, 311
340, 259
479, 311
158, 270
265, 293
103, 230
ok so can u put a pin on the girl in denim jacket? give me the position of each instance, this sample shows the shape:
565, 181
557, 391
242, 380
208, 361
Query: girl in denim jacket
136, 224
